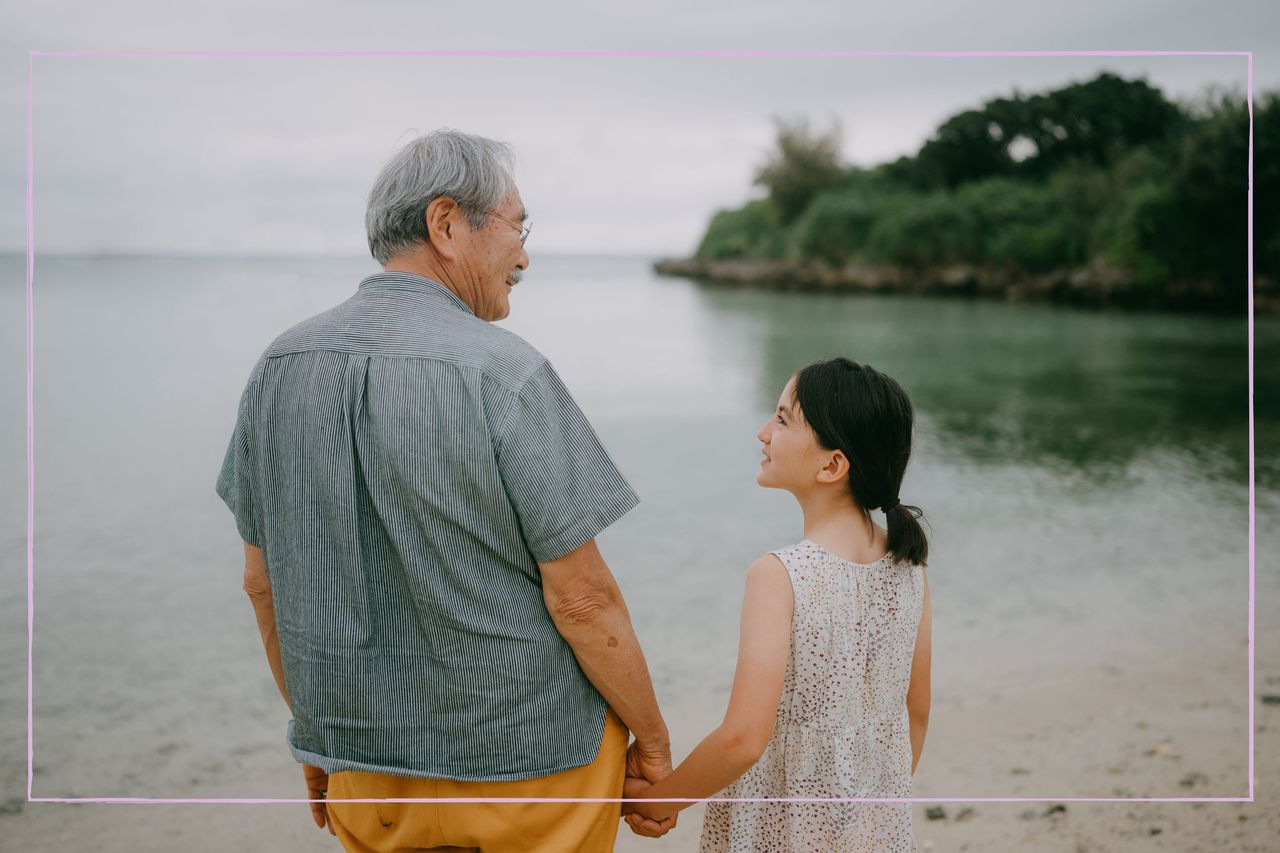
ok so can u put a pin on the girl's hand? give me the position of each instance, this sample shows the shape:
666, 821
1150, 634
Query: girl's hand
632, 789
646, 824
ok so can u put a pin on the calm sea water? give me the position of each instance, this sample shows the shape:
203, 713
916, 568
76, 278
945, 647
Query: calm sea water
1084, 474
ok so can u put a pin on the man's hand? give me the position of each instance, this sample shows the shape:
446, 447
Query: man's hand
652, 765
317, 787
644, 768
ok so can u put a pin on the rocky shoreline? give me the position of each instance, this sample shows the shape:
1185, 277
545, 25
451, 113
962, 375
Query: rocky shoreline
1097, 285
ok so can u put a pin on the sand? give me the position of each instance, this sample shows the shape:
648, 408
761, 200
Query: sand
1066, 734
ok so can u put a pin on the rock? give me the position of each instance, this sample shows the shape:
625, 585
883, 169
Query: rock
1271, 699
965, 813
1191, 780
1056, 808
935, 813
1155, 830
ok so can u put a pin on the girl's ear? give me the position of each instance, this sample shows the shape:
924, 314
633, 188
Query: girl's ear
836, 469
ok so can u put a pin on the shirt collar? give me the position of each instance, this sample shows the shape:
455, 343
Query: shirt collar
407, 281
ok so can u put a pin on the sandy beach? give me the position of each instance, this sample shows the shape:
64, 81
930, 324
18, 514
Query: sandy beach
1030, 740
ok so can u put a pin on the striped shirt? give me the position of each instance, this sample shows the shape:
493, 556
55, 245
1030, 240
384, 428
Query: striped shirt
404, 466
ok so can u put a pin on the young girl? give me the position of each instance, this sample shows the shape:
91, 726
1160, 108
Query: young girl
831, 694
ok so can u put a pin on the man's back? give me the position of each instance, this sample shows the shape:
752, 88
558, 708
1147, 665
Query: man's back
404, 466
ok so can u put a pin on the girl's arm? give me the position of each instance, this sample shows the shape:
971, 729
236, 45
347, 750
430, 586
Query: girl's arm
918, 697
729, 751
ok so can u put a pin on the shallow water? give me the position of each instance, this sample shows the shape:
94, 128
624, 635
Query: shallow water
1084, 475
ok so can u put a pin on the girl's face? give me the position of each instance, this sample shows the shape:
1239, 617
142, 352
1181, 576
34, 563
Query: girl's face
792, 456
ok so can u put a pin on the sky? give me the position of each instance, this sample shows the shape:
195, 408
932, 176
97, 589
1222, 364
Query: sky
615, 155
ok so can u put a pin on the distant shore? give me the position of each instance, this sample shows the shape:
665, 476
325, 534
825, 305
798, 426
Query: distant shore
1095, 286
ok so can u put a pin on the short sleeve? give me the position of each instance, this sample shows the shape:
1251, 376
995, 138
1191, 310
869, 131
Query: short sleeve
235, 481
564, 487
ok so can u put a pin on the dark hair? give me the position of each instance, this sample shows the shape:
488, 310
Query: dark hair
866, 416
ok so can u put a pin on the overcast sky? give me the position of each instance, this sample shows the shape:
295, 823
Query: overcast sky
615, 155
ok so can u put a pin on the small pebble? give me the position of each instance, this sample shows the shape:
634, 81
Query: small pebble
1155, 830
1271, 699
965, 813
935, 813
1019, 771
1056, 808
1193, 779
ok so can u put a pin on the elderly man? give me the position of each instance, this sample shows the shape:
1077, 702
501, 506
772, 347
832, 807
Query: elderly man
419, 498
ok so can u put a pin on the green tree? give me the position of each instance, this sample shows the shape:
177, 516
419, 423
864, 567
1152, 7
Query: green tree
1266, 184
836, 225
751, 231
1209, 172
1094, 122
805, 163
966, 147
923, 231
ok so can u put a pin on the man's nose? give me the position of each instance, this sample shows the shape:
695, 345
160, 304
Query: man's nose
523, 264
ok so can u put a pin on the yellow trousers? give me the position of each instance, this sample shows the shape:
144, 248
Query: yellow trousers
485, 827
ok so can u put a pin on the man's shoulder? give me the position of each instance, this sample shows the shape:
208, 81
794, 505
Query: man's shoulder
462, 341
317, 332
511, 360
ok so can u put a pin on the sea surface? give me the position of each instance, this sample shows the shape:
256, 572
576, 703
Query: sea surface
1084, 475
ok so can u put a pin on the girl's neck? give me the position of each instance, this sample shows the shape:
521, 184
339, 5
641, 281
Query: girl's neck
838, 524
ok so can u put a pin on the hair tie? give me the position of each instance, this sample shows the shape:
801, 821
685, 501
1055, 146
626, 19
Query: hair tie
891, 504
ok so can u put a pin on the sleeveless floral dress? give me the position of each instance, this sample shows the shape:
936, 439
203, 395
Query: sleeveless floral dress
841, 729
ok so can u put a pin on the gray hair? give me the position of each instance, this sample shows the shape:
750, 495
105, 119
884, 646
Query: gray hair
473, 171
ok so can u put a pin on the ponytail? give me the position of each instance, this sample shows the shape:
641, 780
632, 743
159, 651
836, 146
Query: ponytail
906, 538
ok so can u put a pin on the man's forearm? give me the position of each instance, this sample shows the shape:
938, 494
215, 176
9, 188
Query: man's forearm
264, 612
605, 644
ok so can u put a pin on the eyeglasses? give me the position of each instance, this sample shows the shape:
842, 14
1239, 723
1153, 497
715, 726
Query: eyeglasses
523, 229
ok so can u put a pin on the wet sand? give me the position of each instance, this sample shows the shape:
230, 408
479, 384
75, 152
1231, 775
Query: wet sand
1065, 734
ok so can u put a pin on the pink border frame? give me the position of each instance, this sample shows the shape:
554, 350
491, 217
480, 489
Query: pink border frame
611, 54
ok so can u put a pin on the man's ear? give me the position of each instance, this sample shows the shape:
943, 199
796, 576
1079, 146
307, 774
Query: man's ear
444, 218
836, 469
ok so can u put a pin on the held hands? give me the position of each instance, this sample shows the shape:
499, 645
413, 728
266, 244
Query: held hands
317, 787
644, 768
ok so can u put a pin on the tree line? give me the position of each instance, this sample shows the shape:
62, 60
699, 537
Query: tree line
1106, 174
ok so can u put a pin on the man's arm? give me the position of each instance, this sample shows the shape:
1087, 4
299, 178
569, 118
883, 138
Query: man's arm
257, 585
587, 608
